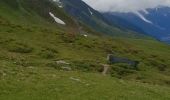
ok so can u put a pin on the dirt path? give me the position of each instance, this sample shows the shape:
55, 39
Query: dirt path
105, 69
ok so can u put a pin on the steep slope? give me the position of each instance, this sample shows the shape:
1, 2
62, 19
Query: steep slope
121, 22
41, 59
92, 18
35, 11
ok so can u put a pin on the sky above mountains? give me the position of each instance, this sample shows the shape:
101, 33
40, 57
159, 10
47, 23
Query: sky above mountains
126, 5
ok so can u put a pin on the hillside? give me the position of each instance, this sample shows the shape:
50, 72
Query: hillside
83, 13
41, 59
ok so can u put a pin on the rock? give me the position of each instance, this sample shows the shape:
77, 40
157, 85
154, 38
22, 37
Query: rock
53, 75
66, 68
3, 73
31, 67
80, 81
85, 35
62, 62
87, 84
75, 79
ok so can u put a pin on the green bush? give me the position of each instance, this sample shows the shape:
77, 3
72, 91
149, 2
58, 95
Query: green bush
19, 48
47, 54
53, 65
156, 63
24, 63
86, 66
121, 70
51, 49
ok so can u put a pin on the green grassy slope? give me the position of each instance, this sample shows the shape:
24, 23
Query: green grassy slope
31, 45
34, 13
41, 83
80, 11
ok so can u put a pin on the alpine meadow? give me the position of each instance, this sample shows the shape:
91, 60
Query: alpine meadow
67, 50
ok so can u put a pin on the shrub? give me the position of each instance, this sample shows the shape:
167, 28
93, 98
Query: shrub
161, 66
51, 49
53, 65
47, 54
120, 71
19, 48
67, 38
86, 66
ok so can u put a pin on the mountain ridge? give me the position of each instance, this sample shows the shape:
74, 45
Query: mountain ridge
94, 19
153, 22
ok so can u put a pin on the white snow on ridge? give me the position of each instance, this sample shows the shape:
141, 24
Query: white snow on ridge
58, 3
60, 6
143, 18
90, 11
145, 11
126, 6
59, 21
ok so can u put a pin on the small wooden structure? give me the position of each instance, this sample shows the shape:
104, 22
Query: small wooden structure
113, 59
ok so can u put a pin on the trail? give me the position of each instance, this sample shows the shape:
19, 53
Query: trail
105, 69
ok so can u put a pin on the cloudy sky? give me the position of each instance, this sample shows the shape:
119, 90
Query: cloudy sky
125, 5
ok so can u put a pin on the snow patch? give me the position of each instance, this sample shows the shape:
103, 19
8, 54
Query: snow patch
59, 21
143, 18
59, 3
60, 6
145, 11
90, 11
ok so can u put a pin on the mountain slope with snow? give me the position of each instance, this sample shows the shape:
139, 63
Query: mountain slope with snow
94, 19
153, 22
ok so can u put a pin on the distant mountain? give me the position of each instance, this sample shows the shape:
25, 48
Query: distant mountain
153, 22
82, 12
92, 18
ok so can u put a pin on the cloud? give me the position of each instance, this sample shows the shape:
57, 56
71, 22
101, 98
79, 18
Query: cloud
126, 5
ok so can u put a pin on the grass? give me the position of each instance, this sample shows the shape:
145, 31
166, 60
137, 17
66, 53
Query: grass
44, 83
